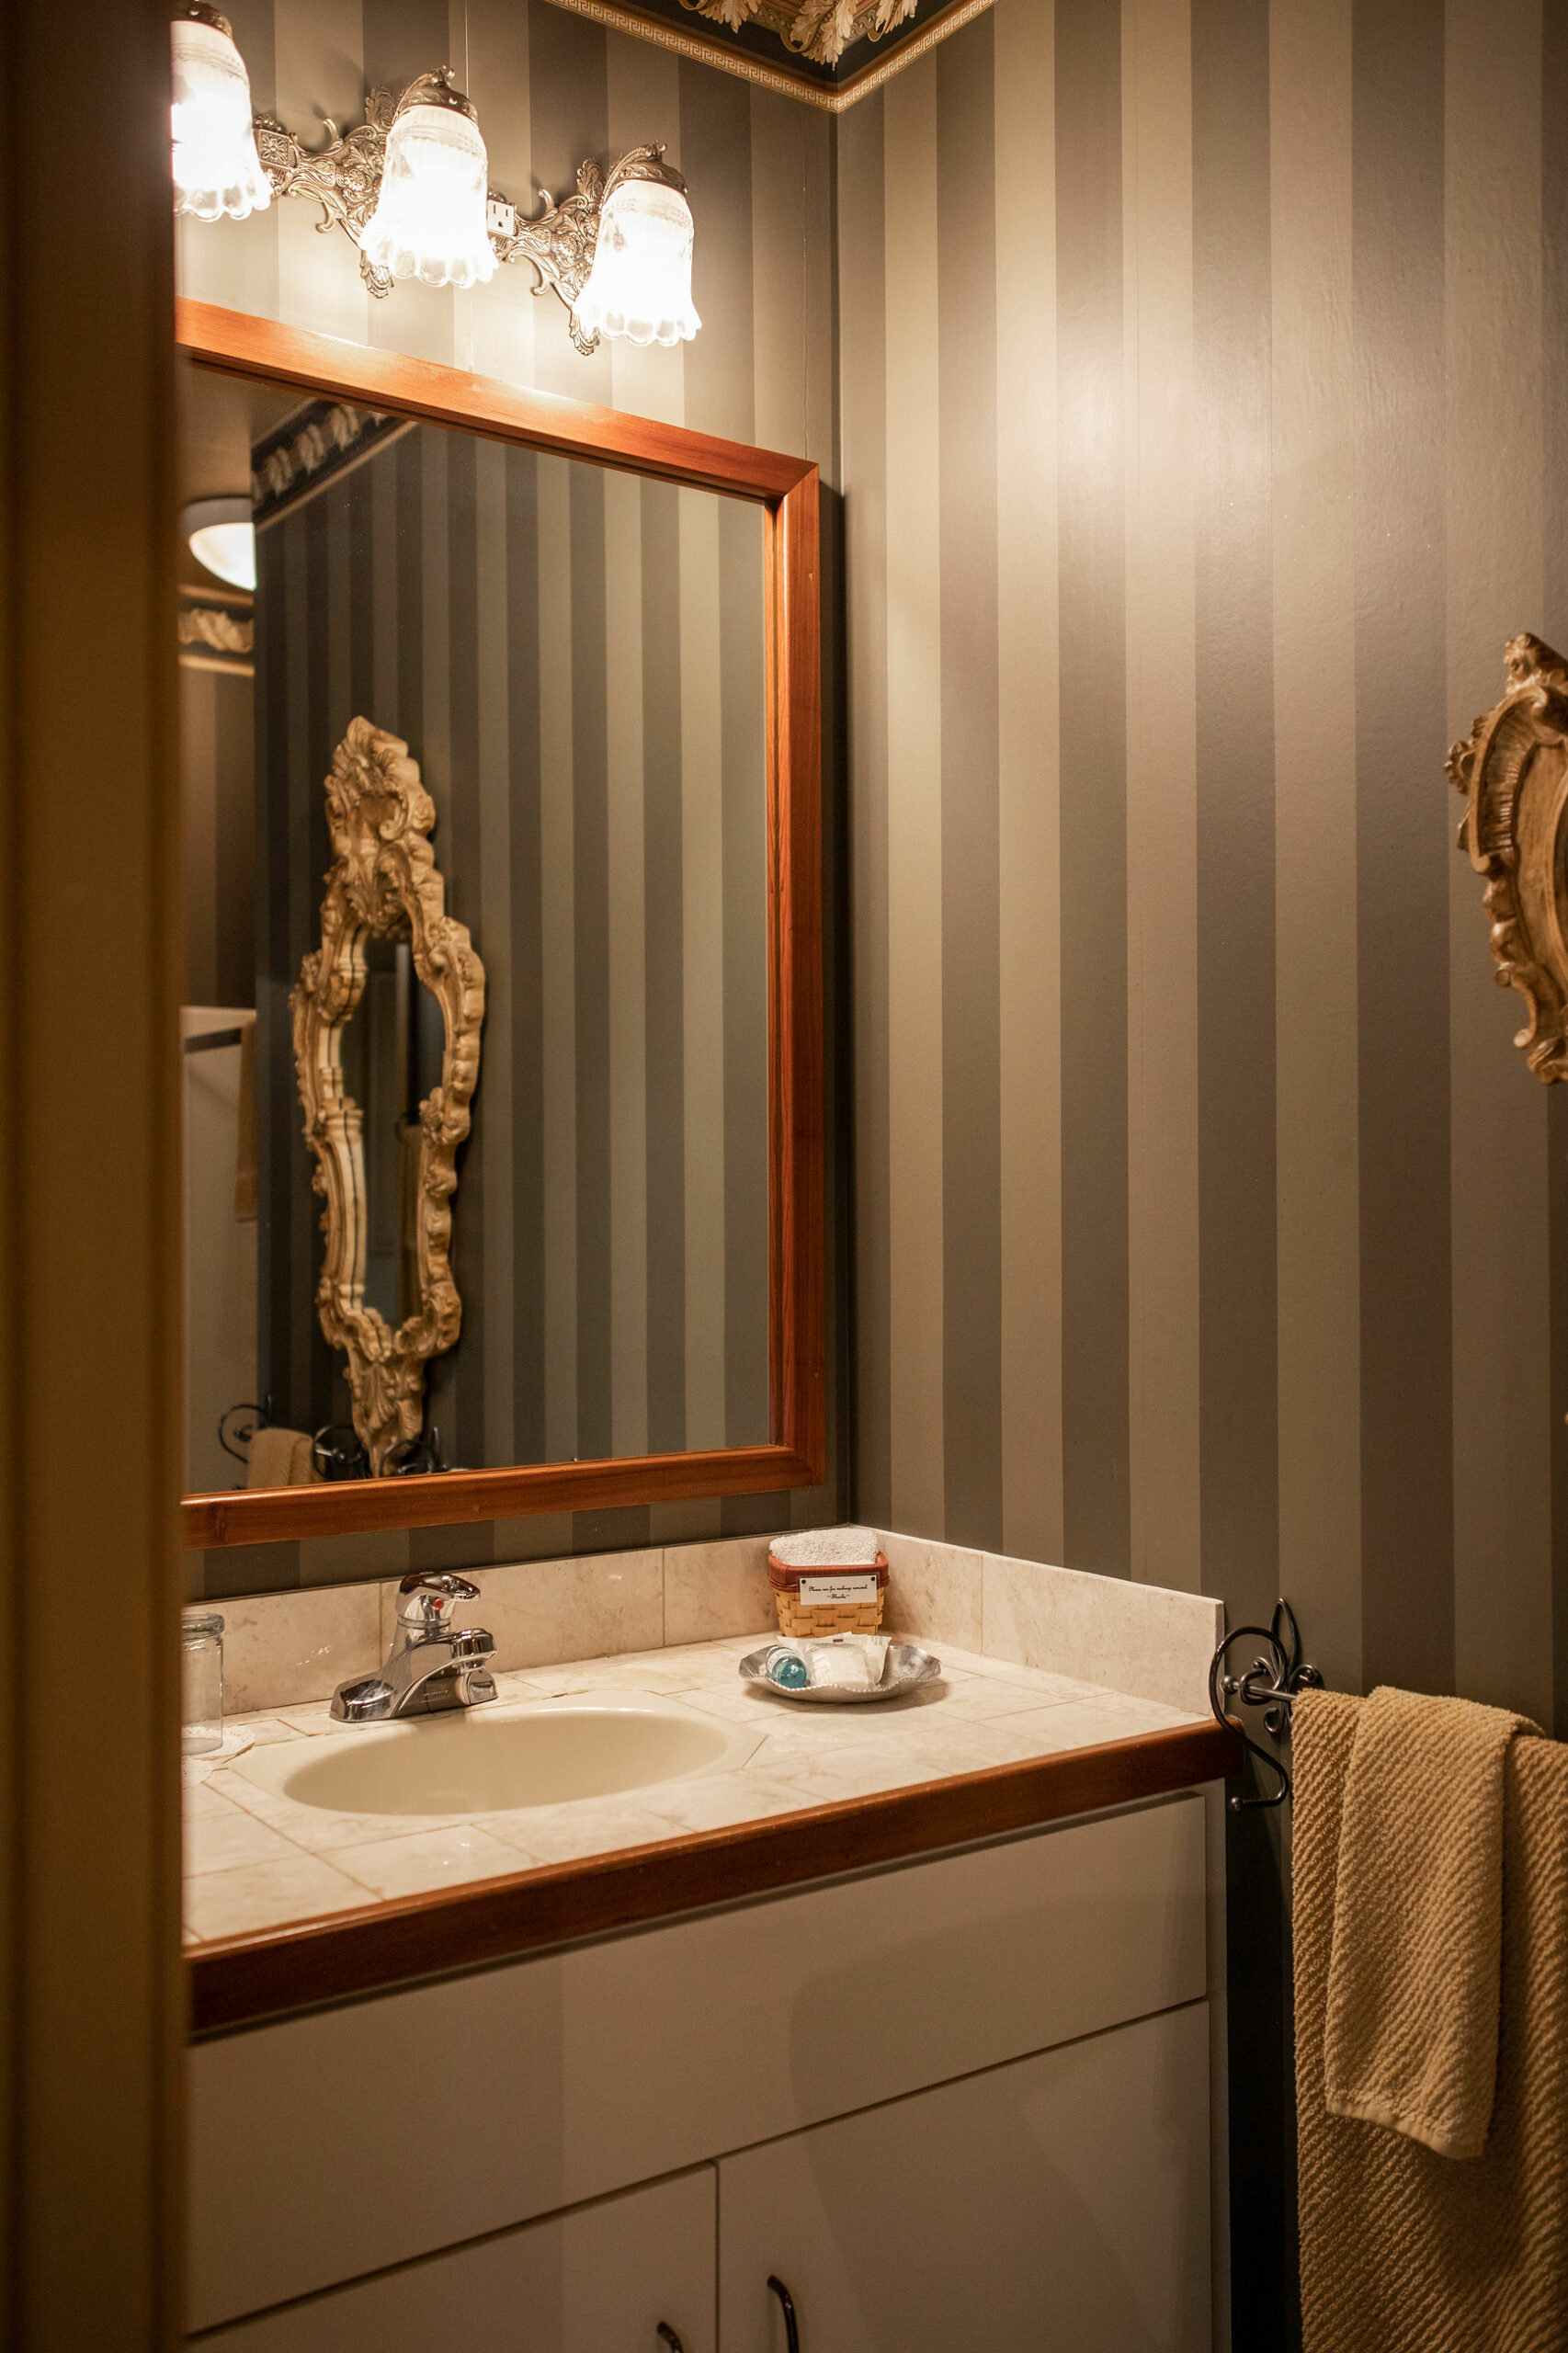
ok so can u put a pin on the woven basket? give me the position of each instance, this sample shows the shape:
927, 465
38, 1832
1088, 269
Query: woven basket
815, 1621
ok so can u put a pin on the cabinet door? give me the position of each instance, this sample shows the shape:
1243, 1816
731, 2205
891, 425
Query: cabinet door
597, 2279
1059, 2204
622, 2061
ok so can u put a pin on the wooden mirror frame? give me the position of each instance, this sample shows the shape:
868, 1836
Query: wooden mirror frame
785, 488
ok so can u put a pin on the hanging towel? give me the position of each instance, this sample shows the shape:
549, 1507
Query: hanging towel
1411, 2041
279, 1459
1404, 2251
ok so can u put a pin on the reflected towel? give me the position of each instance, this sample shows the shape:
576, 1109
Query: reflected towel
1411, 2041
1404, 2251
279, 1459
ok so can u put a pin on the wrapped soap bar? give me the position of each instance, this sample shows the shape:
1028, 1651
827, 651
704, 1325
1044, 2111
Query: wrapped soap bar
848, 1659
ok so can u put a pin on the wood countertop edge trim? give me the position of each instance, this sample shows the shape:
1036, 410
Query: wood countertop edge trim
386, 1945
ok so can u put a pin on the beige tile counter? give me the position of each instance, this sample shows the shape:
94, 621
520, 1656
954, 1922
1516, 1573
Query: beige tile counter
257, 1863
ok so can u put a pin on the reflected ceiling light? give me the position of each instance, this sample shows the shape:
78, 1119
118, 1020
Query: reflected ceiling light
639, 284
222, 537
216, 168
430, 221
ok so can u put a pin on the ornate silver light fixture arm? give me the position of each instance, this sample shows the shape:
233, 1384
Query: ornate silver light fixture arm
560, 242
344, 176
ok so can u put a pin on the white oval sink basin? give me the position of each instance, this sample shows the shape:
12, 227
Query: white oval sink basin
501, 1757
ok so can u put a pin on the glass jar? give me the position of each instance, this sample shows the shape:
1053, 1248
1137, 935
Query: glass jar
202, 1683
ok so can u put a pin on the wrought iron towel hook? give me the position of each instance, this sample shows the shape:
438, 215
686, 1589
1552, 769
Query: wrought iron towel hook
1271, 1683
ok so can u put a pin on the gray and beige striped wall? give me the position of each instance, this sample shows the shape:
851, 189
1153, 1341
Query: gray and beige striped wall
1192, 375
1202, 373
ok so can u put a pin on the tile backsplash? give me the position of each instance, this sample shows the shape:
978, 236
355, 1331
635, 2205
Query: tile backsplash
283, 1649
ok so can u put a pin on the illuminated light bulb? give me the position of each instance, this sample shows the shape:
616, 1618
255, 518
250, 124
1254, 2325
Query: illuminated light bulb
216, 167
429, 221
639, 284
222, 536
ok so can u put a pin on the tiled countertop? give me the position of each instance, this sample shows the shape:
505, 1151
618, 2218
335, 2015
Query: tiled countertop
256, 1863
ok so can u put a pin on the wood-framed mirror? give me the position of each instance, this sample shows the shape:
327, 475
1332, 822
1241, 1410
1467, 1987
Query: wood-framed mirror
366, 471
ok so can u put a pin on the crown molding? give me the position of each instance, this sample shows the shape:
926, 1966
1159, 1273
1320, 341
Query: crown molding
802, 81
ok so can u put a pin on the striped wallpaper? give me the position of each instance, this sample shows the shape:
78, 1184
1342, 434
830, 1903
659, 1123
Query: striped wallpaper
576, 659
1202, 375
1199, 371
552, 87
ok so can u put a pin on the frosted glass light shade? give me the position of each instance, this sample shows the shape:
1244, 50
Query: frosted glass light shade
221, 537
429, 221
639, 284
216, 168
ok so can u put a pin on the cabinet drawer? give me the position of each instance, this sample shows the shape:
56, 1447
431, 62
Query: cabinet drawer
618, 2062
1062, 2201
603, 2277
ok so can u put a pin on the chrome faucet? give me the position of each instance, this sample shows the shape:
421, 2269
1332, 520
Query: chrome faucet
433, 1666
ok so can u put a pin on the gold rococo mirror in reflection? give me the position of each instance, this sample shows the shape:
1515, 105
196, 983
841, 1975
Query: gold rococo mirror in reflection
386, 1297
548, 1050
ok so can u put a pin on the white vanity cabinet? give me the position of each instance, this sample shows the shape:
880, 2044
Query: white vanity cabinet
602, 2275
959, 2101
1062, 2201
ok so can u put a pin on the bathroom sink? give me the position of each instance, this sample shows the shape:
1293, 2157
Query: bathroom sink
503, 1756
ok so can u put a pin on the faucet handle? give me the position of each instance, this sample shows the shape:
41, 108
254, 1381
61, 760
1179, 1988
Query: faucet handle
427, 1601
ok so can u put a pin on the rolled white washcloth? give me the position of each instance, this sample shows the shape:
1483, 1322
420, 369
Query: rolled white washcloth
827, 1547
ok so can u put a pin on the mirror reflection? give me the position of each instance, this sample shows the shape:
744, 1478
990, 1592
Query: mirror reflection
574, 659
391, 1057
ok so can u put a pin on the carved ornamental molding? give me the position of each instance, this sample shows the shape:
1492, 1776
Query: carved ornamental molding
384, 884
1513, 771
220, 631
819, 29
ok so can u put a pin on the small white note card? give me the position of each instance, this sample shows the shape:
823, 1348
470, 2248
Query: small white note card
841, 1588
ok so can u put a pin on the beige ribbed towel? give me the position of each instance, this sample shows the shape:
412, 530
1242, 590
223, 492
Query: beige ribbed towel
1411, 2041
1404, 2251
278, 1457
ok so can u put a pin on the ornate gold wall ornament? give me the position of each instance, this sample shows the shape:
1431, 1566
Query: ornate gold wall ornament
385, 884
1514, 773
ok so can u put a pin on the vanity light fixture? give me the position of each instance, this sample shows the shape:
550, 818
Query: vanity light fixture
639, 284
221, 537
409, 187
216, 168
430, 221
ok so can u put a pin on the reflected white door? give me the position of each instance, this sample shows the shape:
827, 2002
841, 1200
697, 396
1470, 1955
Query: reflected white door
220, 1240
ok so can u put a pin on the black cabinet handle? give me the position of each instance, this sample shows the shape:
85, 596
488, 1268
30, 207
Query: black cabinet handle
792, 2325
667, 2336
